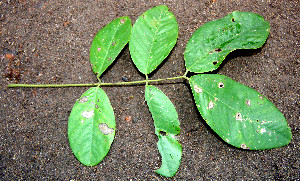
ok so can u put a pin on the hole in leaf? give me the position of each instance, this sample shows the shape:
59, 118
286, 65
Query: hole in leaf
103, 127
113, 43
215, 50
232, 19
96, 106
215, 62
122, 21
162, 133
109, 59
218, 50
238, 117
99, 49
221, 85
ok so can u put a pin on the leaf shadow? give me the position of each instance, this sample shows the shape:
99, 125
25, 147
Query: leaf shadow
235, 54
115, 61
162, 63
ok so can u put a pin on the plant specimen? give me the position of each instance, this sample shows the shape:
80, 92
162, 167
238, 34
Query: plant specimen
238, 114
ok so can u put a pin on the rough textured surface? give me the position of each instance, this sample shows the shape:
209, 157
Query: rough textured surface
50, 41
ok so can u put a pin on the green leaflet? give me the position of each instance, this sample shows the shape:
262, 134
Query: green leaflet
154, 34
213, 41
166, 127
108, 43
238, 114
91, 127
171, 151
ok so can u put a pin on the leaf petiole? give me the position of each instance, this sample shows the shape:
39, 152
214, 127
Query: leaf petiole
94, 84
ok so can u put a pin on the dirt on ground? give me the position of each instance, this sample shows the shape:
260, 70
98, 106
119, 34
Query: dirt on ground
47, 42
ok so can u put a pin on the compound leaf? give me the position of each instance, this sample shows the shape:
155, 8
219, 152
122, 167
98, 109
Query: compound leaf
91, 127
166, 127
154, 34
108, 43
238, 114
213, 41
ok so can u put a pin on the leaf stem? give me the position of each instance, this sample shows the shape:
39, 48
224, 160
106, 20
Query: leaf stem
95, 84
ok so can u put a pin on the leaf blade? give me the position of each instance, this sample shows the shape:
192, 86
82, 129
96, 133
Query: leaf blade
91, 127
166, 127
212, 42
154, 34
171, 151
108, 43
163, 111
238, 114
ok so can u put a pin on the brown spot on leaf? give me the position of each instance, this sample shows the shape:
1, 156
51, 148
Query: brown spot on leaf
248, 102
197, 89
210, 105
83, 100
244, 146
103, 127
87, 114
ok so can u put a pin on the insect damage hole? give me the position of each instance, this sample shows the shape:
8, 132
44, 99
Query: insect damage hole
197, 89
162, 133
99, 49
217, 50
232, 19
103, 127
221, 85
238, 117
215, 62
113, 43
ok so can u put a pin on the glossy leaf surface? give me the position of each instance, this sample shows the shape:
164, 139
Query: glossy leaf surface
213, 41
238, 114
166, 127
108, 43
91, 127
154, 34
